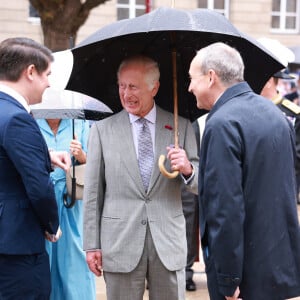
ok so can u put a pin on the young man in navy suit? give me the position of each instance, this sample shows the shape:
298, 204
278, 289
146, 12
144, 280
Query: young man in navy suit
28, 211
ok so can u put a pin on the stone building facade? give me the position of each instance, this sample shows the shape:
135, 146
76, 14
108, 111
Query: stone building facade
258, 18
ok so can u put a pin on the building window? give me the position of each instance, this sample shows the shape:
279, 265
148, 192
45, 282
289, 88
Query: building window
34, 17
285, 16
221, 6
127, 9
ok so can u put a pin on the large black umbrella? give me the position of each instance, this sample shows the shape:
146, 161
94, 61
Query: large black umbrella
159, 34
171, 37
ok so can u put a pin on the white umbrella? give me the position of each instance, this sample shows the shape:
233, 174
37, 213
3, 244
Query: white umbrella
58, 103
64, 104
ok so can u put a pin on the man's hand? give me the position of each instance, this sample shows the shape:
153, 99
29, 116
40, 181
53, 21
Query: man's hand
94, 261
179, 161
53, 237
235, 295
60, 159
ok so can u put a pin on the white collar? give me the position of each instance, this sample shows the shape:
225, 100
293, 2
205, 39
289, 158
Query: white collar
151, 116
13, 93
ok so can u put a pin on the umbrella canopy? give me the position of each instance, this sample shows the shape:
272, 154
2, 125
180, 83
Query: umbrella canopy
157, 35
66, 104
58, 103
283, 53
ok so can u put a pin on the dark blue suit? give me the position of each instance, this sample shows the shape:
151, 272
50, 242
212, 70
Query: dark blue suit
248, 215
27, 203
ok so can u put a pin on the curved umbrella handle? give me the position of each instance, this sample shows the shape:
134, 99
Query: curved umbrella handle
163, 170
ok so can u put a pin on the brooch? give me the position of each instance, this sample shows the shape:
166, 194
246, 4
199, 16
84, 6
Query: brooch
169, 127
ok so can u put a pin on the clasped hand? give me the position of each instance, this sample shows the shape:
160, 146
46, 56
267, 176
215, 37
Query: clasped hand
94, 261
179, 161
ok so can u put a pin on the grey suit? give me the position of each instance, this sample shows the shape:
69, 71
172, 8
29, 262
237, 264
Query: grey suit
117, 209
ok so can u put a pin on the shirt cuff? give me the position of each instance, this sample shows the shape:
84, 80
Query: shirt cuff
187, 180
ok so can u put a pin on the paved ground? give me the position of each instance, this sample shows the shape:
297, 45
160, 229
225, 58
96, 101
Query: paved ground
199, 277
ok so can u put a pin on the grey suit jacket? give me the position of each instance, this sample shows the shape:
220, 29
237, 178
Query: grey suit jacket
116, 207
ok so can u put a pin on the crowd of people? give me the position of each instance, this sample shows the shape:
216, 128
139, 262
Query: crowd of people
136, 227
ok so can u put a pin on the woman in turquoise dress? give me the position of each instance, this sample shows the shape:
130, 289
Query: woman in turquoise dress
70, 275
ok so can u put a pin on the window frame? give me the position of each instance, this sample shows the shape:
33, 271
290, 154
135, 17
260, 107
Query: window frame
283, 14
131, 6
33, 17
225, 11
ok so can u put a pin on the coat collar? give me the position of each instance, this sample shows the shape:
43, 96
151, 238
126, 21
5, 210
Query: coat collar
11, 99
15, 95
232, 92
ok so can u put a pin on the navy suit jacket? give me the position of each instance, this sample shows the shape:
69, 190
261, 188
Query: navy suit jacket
27, 200
249, 221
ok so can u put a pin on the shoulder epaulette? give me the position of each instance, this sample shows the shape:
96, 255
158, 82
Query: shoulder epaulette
277, 99
291, 106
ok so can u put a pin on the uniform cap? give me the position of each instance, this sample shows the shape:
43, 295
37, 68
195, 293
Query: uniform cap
283, 75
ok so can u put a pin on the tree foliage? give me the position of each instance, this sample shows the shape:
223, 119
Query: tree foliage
61, 20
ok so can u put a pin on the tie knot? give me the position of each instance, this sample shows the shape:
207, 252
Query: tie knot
143, 124
143, 121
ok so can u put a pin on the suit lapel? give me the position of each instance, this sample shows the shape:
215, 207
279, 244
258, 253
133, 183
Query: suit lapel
128, 155
164, 136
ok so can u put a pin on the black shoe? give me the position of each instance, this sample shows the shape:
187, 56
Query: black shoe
190, 285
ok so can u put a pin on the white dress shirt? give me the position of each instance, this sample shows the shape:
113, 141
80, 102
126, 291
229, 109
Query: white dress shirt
151, 117
11, 92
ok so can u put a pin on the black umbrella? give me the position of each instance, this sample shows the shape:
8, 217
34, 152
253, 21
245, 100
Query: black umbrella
171, 37
157, 34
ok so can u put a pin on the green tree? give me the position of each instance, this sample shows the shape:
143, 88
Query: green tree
61, 20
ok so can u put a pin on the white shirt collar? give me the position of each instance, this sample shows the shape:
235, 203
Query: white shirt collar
151, 116
11, 92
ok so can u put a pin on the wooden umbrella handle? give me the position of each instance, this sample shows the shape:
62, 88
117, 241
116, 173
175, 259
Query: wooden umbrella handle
163, 170
176, 142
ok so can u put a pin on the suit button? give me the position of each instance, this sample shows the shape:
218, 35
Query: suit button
236, 280
144, 222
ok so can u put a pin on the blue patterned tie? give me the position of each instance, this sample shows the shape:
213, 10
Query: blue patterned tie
145, 152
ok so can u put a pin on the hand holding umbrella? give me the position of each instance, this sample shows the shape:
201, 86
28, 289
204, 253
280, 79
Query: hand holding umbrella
179, 163
77, 151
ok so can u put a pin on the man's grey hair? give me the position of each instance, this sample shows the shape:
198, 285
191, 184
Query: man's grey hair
152, 73
224, 60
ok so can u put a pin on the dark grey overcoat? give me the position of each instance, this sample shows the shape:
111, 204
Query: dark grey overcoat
248, 215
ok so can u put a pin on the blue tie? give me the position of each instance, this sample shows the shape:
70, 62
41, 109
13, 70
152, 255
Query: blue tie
145, 152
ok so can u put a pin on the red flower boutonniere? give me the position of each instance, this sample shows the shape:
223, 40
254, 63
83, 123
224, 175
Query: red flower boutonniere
168, 127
